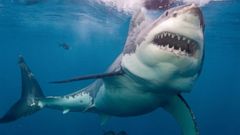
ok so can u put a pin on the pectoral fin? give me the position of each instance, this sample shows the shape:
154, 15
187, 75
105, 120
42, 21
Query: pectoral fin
183, 114
92, 76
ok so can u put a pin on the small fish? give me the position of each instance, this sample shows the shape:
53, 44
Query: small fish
64, 46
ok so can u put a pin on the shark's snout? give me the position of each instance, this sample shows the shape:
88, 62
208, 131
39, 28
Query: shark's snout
194, 10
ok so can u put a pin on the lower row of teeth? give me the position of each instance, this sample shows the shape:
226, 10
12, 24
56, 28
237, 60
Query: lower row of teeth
176, 51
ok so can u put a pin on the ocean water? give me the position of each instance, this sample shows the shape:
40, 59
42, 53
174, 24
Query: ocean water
96, 33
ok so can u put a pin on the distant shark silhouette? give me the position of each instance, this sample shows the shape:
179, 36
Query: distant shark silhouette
161, 59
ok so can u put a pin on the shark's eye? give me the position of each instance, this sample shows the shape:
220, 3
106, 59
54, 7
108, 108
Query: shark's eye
175, 15
166, 13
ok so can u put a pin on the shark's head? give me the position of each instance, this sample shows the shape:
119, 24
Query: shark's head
168, 51
179, 32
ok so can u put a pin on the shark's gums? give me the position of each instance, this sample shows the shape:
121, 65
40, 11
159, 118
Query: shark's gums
162, 58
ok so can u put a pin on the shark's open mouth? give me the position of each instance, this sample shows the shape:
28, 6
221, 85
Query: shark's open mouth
176, 43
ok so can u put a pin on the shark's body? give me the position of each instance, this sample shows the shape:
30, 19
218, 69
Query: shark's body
161, 59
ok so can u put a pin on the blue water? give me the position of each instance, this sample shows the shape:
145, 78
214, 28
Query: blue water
96, 35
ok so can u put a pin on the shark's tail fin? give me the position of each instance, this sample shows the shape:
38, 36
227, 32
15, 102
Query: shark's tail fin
31, 93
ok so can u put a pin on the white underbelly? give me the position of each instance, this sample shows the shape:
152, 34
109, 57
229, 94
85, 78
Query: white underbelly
127, 102
162, 73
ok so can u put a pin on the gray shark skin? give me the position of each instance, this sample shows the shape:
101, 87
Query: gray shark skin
161, 59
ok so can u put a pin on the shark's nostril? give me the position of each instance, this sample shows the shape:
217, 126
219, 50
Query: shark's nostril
166, 13
175, 15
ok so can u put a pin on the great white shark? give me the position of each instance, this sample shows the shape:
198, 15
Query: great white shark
162, 59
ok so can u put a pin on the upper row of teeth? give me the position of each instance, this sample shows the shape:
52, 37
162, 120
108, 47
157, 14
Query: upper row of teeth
171, 49
162, 35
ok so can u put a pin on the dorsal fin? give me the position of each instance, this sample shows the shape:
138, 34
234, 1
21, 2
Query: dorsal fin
92, 76
138, 22
137, 19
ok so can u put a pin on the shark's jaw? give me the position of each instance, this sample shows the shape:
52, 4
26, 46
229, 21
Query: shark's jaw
169, 52
177, 44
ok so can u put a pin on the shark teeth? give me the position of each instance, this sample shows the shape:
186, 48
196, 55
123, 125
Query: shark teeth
172, 50
179, 37
175, 43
